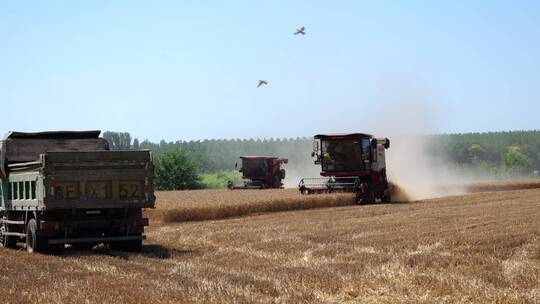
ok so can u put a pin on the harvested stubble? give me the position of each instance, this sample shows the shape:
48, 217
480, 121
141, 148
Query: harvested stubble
477, 248
200, 205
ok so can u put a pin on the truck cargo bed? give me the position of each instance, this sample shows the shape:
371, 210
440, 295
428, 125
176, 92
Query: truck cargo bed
98, 179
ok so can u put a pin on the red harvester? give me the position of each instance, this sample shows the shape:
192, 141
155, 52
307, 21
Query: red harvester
350, 163
261, 172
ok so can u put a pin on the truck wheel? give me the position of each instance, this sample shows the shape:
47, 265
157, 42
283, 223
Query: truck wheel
34, 243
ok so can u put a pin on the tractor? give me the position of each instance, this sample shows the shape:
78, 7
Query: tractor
261, 172
350, 163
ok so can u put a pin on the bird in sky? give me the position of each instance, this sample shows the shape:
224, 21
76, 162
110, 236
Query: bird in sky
300, 31
261, 82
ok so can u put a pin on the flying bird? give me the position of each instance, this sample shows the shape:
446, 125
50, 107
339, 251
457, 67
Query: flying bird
300, 31
261, 82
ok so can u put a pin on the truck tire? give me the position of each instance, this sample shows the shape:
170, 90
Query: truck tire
34, 242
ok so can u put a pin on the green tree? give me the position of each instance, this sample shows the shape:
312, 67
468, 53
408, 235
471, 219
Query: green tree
476, 154
118, 140
175, 171
135, 144
516, 162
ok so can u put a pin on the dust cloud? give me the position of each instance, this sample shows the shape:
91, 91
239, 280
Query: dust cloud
407, 118
296, 173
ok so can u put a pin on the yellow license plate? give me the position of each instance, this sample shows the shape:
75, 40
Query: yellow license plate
98, 189
130, 189
66, 190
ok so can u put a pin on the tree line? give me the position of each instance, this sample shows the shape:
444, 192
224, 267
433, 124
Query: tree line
494, 153
497, 154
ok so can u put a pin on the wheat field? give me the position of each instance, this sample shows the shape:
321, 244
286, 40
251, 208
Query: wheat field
200, 205
476, 248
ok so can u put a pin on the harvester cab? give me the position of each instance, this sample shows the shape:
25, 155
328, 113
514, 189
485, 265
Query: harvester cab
261, 172
350, 163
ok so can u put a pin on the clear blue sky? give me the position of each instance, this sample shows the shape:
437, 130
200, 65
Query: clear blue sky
189, 69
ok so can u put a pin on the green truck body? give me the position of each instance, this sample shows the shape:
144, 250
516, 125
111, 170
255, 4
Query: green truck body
60, 188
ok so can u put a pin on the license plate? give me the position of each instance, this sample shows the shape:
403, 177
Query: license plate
130, 189
66, 190
98, 189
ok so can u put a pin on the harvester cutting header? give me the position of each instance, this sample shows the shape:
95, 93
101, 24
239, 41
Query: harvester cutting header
350, 163
261, 172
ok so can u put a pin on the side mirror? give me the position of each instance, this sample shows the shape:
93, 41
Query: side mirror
236, 165
374, 143
315, 146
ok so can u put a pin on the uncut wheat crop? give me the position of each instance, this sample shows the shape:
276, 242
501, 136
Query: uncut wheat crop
196, 205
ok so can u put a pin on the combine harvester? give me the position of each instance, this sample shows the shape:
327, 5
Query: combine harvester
350, 163
261, 172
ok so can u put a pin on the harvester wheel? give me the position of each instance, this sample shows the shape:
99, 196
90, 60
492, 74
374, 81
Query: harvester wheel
281, 174
365, 194
387, 197
277, 182
371, 197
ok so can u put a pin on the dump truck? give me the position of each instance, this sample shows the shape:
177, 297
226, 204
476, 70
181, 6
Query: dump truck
67, 187
353, 162
261, 172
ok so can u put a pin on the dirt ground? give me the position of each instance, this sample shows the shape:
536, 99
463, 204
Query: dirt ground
477, 248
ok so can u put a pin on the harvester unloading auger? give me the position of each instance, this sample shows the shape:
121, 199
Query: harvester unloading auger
261, 172
350, 163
